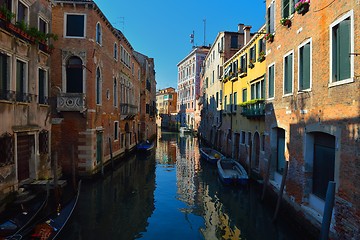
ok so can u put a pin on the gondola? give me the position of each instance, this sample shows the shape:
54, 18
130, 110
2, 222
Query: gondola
145, 146
26, 207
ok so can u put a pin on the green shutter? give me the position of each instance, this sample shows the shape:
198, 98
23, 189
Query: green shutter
344, 50
271, 81
286, 8
288, 74
305, 67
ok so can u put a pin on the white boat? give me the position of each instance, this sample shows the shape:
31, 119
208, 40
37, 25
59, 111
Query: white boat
231, 171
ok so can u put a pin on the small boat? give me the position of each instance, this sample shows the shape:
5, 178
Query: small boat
52, 226
27, 207
210, 155
145, 146
231, 172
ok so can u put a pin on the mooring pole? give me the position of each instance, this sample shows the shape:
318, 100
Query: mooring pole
111, 154
329, 205
266, 181
281, 191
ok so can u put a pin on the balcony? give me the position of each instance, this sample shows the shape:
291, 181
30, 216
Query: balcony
71, 102
253, 109
128, 111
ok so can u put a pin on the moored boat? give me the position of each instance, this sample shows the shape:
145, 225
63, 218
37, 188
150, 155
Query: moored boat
145, 146
27, 207
210, 155
51, 227
231, 172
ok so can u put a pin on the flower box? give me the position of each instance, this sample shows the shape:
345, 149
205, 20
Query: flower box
285, 22
302, 6
269, 37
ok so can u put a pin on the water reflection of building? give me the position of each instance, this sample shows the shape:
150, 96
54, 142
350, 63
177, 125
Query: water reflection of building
187, 166
166, 152
127, 195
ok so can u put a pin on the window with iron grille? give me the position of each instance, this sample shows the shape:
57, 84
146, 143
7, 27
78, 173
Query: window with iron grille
6, 149
44, 141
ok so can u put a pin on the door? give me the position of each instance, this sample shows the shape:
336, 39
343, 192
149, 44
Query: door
25, 151
256, 147
99, 146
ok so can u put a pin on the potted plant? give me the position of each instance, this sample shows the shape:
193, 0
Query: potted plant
261, 56
269, 37
5, 13
285, 22
302, 6
251, 63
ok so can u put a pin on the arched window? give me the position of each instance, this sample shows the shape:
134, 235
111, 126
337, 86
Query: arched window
98, 34
115, 94
115, 51
74, 75
98, 86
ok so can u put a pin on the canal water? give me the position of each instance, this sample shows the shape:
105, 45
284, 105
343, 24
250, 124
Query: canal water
172, 194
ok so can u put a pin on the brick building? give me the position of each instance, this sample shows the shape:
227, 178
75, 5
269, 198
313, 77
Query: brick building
96, 81
25, 126
313, 109
147, 122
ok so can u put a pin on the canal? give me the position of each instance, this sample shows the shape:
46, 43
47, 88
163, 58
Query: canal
172, 194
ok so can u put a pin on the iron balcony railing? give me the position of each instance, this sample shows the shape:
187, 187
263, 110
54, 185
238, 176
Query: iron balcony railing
254, 110
70, 102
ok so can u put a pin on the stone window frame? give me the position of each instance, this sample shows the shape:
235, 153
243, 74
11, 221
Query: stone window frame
65, 25
46, 86
285, 94
98, 33
98, 86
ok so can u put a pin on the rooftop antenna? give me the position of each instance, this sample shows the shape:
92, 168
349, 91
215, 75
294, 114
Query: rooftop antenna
122, 22
204, 32
192, 36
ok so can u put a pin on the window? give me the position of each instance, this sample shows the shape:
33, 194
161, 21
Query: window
341, 47
75, 25
305, 66
21, 81
234, 41
4, 76
217, 99
253, 54
288, 74
115, 51
271, 80
115, 93
43, 27
288, 8
98, 34
42, 92
248, 139
225, 103
43, 142
98, 86
243, 63
116, 130
22, 13
244, 95
270, 26
231, 103
6, 149
7, 4
235, 101
261, 46
257, 90
74, 75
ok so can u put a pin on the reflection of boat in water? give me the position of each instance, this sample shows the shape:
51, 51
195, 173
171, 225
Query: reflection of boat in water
231, 172
184, 130
210, 155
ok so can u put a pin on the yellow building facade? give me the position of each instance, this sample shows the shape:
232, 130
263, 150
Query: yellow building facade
243, 102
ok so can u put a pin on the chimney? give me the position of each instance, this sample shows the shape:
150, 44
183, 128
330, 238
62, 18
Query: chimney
247, 34
240, 28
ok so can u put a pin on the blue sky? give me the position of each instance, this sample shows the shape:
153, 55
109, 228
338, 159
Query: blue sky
161, 28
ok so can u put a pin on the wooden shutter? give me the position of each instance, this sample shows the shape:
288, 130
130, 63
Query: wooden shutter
271, 81
344, 50
305, 67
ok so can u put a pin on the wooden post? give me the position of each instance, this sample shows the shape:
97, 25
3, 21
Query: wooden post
281, 191
329, 205
111, 154
73, 167
267, 176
